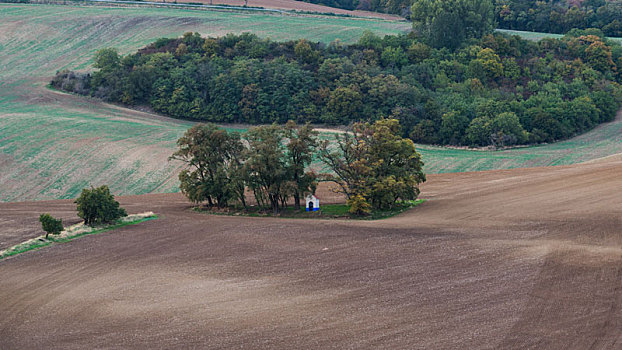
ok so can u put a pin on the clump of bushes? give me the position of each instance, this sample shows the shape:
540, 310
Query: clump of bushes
80, 83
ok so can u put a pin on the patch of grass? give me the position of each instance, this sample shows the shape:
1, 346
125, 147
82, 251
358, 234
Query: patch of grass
42, 242
327, 211
535, 36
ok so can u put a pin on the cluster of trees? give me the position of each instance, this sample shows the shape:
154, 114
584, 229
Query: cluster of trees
495, 90
373, 165
95, 206
560, 16
443, 23
222, 165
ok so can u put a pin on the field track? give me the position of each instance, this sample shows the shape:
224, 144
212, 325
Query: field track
509, 259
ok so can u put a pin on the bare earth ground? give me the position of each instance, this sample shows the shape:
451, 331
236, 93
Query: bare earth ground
299, 6
510, 259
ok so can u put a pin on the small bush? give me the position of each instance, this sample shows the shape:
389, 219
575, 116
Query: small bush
359, 205
97, 206
66, 80
51, 225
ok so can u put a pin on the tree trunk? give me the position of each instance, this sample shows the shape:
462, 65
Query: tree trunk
297, 200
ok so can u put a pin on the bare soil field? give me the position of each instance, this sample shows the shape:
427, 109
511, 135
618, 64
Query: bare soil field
508, 259
299, 6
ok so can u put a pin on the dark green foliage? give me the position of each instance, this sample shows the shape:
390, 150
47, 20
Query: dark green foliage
439, 96
51, 225
266, 168
97, 206
343, 4
214, 157
560, 16
531, 15
301, 143
271, 162
448, 23
399, 7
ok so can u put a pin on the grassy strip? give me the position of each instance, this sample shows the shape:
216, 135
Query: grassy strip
42, 242
327, 211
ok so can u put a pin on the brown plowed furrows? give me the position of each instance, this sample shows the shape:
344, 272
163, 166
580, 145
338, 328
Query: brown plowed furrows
513, 259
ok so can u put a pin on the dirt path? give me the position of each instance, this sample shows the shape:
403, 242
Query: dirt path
512, 259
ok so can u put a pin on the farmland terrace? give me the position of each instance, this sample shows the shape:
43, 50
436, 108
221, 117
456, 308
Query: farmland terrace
512, 259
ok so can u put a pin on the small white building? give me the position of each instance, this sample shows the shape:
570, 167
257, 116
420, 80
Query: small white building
312, 203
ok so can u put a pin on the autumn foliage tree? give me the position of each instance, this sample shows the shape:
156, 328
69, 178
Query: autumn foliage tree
375, 163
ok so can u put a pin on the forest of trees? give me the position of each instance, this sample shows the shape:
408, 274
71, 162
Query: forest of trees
560, 16
497, 90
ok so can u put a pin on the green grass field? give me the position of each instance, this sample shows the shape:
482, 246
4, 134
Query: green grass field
52, 144
537, 35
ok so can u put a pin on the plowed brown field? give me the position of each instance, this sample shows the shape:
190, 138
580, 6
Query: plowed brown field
511, 259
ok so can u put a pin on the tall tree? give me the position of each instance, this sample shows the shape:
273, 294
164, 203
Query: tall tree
301, 142
376, 163
213, 155
447, 23
265, 167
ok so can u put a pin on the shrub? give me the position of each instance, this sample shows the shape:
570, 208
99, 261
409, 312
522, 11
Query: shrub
359, 205
51, 225
97, 206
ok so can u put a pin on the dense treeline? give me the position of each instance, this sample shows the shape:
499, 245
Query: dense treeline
560, 16
399, 7
496, 90
531, 15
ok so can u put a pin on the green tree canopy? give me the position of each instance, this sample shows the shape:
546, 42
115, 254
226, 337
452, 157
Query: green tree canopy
97, 206
448, 23
51, 225
213, 156
375, 162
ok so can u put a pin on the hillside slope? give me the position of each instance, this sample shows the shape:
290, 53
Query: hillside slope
512, 259
53, 144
